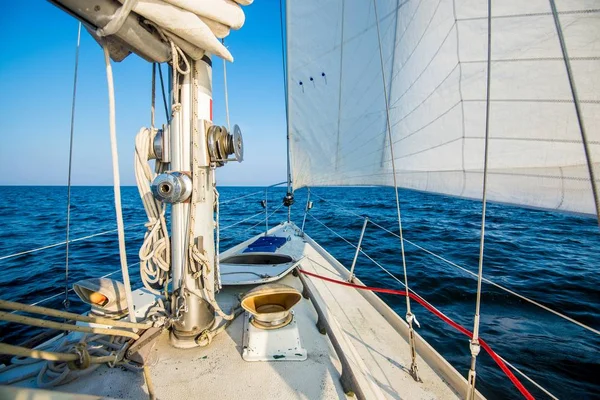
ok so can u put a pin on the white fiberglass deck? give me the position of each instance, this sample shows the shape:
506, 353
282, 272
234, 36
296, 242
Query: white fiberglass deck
368, 334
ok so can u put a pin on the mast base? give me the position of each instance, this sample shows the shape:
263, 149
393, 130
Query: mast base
200, 317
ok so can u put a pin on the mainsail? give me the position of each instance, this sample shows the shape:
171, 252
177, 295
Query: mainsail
434, 70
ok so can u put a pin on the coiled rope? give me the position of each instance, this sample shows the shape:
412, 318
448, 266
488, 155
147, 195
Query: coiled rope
73, 357
155, 252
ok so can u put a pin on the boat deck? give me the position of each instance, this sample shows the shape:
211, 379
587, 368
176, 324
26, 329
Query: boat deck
365, 341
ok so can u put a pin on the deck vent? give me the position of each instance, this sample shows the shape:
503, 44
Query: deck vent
106, 296
270, 305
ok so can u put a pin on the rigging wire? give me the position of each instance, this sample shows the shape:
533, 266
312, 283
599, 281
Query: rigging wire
455, 265
66, 300
584, 140
153, 96
475, 342
409, 315
437, 313
164, 95
226, 92
284, 38
443, 259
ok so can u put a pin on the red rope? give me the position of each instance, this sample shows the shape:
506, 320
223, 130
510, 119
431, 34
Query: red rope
440, 315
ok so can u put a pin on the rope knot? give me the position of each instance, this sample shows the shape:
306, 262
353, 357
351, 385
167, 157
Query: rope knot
151, 223
84, 358
204, 338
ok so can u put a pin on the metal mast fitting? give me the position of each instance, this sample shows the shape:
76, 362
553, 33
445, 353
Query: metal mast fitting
195, 148
222, 144
188, 187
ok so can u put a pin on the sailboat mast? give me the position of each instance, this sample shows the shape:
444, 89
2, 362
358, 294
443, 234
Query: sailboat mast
193, 220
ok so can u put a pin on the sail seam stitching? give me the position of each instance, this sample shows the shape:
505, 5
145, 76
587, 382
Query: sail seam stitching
540, 14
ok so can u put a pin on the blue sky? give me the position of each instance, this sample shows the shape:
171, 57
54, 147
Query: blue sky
37, 76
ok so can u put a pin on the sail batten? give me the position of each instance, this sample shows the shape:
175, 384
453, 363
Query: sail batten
435, 54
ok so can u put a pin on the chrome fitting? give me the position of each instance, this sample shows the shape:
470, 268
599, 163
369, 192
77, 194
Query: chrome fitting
172, 187
475, 347
410, 318
160, 145
222, 144
288, 199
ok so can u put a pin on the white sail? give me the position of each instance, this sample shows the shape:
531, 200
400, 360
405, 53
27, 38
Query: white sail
435, 54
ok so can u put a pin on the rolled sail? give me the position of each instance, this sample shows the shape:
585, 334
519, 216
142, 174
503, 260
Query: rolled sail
434, 72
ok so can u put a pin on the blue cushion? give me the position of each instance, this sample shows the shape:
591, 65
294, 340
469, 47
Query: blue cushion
269, 241
261, 249
266, 244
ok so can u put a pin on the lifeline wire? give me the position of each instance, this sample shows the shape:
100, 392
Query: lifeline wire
437, 313
66, 300
61, 243
455, 265
417, 295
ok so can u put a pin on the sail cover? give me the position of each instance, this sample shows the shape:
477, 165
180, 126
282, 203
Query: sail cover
434, 72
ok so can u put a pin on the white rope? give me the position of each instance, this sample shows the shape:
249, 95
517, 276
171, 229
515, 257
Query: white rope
53, 369
155, 252
117, 19
117, 184
62, 243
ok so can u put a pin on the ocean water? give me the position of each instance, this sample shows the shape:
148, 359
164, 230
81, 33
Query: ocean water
549, 257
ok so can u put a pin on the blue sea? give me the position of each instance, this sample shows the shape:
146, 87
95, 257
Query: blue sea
549, 257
